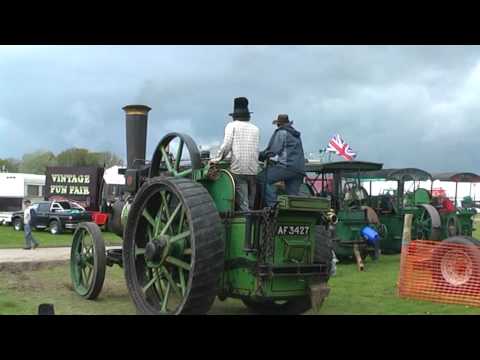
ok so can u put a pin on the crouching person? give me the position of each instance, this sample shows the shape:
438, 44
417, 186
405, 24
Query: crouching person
285, 147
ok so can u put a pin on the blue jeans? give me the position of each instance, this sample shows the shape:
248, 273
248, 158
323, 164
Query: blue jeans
29, 240
273, 174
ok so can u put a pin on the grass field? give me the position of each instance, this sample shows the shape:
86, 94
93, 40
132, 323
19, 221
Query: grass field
10, 238
368, 293
371, 292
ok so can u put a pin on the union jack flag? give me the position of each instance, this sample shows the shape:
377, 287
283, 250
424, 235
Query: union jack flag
341, 148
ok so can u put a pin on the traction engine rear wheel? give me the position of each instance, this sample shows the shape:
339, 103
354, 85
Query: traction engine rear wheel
88, 260
173, 248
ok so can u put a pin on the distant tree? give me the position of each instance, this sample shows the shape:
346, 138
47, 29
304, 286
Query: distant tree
108, 159
9, 165
37, 162
75, 157
83, 157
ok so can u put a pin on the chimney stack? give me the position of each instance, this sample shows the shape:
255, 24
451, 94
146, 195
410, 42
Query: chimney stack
136, 117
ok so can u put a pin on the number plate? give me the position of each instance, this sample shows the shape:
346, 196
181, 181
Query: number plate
293, 230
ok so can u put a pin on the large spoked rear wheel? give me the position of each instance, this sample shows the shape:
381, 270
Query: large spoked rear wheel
88, 260
173, 248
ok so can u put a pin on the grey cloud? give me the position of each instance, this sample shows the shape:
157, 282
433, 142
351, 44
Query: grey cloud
400, 105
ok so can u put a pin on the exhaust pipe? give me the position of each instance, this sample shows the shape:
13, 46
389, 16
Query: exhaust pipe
136, 117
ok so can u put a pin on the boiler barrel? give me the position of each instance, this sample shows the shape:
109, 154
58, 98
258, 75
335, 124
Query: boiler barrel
136, 117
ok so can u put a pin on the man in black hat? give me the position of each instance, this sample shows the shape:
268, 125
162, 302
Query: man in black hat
241, 140
286, 146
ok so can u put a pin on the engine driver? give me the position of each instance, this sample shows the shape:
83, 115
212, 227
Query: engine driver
286, 147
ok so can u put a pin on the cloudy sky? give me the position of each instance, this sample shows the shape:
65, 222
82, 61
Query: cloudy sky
405, 106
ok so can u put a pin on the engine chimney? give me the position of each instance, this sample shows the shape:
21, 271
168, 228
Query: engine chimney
136, 117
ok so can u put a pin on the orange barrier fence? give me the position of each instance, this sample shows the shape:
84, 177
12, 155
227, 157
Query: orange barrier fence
446, 272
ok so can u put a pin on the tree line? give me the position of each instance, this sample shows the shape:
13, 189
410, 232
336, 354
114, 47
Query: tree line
37, 162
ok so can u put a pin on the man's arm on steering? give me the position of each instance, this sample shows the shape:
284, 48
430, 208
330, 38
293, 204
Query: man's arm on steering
276, 145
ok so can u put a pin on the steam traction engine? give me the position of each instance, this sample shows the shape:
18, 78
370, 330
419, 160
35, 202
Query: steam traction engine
184, 243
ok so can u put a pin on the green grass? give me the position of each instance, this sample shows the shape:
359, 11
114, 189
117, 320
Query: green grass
374, 291
352, 292
9, 238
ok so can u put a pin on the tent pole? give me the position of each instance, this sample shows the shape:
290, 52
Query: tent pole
456, 187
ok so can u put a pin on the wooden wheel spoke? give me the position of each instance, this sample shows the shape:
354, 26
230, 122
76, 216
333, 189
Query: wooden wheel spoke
150, 282
84, 277
167, 161
165, 203
170, 281
139, 251
149, 233
178, 263
182, 219
180, 236
179, 155
170, 220
165, 299
149, 218
89, 274
160, 284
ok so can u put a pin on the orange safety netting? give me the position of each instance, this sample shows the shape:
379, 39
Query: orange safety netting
447, 272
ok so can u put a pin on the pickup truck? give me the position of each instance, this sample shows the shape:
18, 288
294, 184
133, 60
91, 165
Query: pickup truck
56, 216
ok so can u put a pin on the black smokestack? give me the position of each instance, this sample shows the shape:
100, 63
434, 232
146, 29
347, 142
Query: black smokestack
136, 131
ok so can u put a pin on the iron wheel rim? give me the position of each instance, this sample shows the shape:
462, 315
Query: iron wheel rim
83, 256
163, 281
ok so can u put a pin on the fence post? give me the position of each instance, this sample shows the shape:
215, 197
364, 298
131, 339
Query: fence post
407, 229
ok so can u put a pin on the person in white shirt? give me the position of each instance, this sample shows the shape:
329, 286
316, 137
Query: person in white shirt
241, 140
30, 242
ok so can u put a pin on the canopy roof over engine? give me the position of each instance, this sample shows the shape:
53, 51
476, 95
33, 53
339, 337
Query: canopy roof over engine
466, 177
347, 166
403, 174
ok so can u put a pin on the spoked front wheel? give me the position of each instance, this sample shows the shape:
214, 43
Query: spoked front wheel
173, 248
88, 260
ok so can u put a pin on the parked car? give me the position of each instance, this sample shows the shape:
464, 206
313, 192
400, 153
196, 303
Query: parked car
56, 216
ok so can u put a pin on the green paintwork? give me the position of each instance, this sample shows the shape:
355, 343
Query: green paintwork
239, 280
81, 266
222, 191
303, 203
347, 230
288, 250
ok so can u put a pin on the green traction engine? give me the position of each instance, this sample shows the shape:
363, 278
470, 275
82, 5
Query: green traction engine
339, 182
184, 244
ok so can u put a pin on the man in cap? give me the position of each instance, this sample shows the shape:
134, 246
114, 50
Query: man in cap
241, 140
286, 147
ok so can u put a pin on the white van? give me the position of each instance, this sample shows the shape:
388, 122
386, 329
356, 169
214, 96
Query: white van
14, 189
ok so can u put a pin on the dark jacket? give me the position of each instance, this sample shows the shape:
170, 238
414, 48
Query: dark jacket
287, 145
